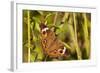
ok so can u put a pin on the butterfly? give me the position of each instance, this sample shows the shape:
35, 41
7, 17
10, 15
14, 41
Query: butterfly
51, 45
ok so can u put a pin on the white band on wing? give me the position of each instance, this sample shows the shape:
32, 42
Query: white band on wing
45, 29
64, 50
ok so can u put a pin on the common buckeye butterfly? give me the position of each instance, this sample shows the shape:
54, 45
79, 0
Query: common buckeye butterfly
51, 45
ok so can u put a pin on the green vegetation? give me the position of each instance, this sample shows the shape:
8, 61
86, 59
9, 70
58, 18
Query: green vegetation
72, 28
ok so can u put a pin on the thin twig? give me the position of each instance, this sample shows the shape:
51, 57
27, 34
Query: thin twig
46, 57
35, 56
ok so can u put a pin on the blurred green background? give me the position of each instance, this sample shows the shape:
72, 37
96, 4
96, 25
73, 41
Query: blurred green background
72, 28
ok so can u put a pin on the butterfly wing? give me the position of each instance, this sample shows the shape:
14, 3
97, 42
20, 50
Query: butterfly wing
56, 50
51, 45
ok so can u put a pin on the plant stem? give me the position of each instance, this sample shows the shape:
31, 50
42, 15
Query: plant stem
55, 18
65, 17
86, 38
67, 46
28, 23
54, 22
79, 55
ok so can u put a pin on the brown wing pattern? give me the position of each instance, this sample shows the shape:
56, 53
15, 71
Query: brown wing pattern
56, 49
52, 46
